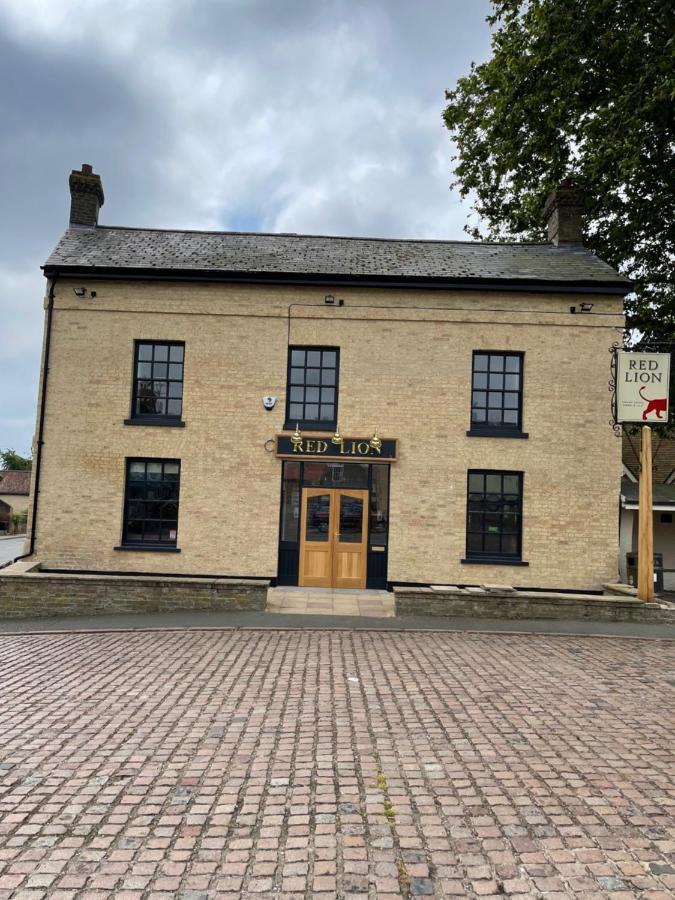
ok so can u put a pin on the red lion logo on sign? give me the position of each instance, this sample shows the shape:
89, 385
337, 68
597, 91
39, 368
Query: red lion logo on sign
658, 406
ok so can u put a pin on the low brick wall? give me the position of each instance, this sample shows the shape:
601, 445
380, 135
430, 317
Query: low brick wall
526, 605
29, 594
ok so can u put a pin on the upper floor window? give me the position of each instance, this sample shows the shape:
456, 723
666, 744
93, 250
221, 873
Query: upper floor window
158, 382
151, 503
497, 393
312, 389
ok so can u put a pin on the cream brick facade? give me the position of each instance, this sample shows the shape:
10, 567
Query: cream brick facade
405, 368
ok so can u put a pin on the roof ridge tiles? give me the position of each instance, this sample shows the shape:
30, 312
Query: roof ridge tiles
336, 237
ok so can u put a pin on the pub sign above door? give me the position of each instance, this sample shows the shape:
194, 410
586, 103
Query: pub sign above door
312, 446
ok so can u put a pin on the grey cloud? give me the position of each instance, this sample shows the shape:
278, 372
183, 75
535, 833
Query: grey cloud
245, 114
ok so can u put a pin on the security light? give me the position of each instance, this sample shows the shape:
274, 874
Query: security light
586, 307
79, 292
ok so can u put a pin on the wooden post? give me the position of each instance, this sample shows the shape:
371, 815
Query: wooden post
646, 521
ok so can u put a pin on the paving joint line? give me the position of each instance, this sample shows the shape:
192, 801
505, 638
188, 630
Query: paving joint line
337, 629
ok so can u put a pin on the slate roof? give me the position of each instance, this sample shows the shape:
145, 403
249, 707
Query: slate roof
14, 481
297, 257
662, 494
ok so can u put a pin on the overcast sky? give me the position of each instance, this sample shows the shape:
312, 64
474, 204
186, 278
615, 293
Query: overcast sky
316, 116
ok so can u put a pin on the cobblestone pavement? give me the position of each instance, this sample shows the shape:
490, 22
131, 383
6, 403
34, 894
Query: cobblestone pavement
336, 764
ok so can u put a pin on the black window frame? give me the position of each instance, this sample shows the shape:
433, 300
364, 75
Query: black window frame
493, 429
170, 544
162, 419
312, 424
491, 556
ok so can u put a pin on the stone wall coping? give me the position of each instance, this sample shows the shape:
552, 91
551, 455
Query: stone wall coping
19, 568
34, 574
514, 597
626, 590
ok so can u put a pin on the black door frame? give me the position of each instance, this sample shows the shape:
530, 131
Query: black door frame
288, 552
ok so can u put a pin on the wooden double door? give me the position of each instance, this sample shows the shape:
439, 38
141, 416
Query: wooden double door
333, 538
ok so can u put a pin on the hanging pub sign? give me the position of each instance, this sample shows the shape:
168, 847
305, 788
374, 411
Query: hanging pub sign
289, 447
642, 386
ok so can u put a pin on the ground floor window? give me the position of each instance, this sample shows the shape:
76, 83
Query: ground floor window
494, 515
151, 503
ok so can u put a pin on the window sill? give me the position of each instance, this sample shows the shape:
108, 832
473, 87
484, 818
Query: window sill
496, 433
308, 426
493, 561
164, 423
150, 548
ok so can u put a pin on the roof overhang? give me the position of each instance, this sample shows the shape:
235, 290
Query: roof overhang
327, 279
658, 505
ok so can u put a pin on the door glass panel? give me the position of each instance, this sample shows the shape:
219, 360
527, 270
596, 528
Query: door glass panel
318, 513
351, 520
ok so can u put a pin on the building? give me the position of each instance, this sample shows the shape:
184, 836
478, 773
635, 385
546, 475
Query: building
663, 504
327, 410
14, 492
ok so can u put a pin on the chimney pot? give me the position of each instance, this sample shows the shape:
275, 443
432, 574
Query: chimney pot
86, 196
562, 214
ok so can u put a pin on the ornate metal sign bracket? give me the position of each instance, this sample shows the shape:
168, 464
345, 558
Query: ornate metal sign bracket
616, 426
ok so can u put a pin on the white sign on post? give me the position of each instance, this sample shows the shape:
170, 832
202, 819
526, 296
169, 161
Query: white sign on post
642, 385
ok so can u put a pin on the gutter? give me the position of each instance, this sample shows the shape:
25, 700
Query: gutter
582, 286
41, 420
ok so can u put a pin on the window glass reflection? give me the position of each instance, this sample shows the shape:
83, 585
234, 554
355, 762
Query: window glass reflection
290, 502
318, 517
379, 506
323, 474
351, 520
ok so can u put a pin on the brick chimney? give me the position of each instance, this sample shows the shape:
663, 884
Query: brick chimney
86, 196
562, 214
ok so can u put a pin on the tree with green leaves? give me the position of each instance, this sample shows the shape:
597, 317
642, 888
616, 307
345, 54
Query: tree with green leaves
10, 459
586, 89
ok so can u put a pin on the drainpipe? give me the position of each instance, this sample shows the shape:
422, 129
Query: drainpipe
41, 420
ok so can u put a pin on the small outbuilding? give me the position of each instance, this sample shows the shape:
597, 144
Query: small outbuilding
14, 495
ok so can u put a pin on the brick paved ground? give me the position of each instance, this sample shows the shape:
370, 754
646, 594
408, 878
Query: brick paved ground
323, 764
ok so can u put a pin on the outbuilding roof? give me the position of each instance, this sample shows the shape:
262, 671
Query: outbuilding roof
14, 481
296, 257
663, 457
662, 494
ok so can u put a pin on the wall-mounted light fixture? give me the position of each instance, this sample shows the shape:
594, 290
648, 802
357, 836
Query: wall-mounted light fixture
296, 437
337, 437
79, 292
330, 300
375, 441
586, 307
